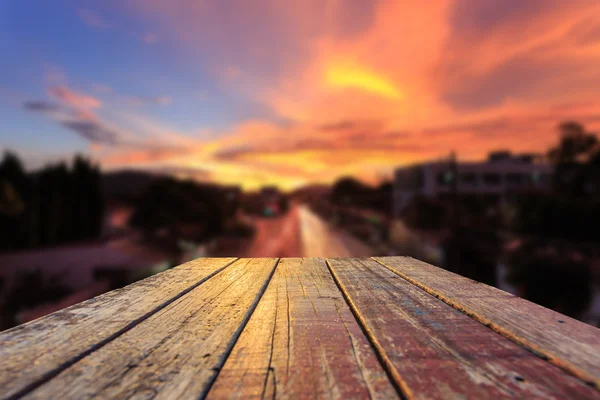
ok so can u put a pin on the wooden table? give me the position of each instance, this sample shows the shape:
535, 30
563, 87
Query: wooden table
302, 328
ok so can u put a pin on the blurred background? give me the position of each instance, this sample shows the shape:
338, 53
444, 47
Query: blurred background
137, 135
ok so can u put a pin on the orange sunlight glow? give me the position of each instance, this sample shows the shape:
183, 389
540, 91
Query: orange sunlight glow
347, 76
330, 86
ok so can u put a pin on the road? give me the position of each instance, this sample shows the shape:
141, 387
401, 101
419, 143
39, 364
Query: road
301, 233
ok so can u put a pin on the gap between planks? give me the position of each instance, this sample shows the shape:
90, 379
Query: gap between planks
394, 376
528, 345
330, 354
239, 331
46, 377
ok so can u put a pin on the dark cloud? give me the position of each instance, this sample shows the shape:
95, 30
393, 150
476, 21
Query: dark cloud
349, 124
338, 126
481, 126
481, 30
233, 152
371, 140
93, 131
471, 19
85, 125
524, 77
374, 136
41, 106
189, 172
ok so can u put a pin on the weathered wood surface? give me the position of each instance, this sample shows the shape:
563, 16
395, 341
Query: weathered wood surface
175, 353
302, 342
263, 328
566, 342
36, 351
436, 352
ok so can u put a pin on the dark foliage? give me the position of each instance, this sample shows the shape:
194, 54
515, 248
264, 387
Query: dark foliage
577, 162
173, 205
50, 206
240, 229
553, 276
351, 192
472, 253
424, 213
557, 217
29, 290
127, 185
575, 202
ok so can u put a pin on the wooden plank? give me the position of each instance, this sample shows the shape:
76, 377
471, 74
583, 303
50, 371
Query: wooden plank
34, 352
436, 352
564, 341
302, 342
175, 353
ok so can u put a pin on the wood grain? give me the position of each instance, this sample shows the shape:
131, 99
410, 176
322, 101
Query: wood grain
436, 352
175, 353
565, 342
302, 342
36, 351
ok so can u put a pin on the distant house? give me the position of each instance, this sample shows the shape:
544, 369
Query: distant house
502, 173
270, 197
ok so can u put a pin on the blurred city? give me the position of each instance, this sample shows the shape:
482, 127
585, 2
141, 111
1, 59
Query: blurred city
137, 136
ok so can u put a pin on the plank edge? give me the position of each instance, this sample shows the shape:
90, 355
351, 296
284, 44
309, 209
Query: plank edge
528, 345
238, 332
61, 367
386, 364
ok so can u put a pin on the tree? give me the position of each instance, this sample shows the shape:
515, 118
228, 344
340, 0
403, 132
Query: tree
576, 183
14, 193
550, 267
348, 191
575, 144
88, 198
351, 192
49, 206
168, 203
29, 290
548, 274
576, 160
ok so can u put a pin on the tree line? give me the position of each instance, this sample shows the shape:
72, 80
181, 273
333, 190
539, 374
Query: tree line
55, 204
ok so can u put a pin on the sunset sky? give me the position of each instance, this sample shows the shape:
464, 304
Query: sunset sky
290, 92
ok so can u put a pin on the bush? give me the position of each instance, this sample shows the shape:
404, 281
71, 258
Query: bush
240, 229
548, 275
552, 216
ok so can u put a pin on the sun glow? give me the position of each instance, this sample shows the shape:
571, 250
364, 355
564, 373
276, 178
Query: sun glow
345, 76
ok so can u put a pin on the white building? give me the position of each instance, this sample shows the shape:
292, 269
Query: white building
501, 174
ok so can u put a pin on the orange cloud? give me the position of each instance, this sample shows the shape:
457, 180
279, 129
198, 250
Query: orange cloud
93, 19
371, 85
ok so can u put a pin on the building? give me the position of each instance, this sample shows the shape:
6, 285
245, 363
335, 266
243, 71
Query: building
502, 173
270, 199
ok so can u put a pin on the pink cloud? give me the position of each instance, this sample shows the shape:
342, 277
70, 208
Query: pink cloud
98, 88
93, 19
150, 38
74, 99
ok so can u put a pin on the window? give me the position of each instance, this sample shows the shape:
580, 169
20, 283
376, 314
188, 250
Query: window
409, 179
445, 178
515, 178
492, 179
469, 178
